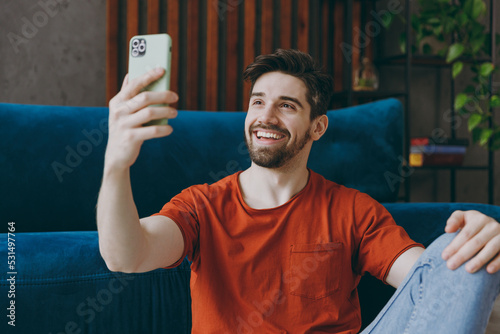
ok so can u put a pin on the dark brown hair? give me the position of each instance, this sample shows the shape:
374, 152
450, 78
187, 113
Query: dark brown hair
300, 65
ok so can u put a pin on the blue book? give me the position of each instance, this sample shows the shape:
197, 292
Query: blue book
430, 149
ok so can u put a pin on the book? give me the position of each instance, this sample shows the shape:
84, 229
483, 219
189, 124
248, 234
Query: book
425, 141
436, 159
431, 149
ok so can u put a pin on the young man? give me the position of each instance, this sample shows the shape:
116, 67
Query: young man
277, 248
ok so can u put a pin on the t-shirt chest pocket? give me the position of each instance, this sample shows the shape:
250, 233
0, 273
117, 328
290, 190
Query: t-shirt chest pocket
315, 269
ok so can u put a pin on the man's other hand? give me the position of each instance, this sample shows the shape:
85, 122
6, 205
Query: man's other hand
477, 242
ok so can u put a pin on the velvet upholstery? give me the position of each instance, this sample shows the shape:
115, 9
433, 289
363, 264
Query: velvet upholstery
51, 161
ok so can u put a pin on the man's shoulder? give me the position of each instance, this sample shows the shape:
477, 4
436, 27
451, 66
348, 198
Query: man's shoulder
222, 186
331, 186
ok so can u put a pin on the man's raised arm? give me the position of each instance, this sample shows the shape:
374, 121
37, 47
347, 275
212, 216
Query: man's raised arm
127, 243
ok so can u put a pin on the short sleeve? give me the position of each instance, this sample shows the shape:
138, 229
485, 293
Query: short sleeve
181, 209
382, 241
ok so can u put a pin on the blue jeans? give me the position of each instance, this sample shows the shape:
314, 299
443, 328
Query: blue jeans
435, 299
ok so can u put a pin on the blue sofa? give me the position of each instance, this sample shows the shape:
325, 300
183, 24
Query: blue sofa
51, 161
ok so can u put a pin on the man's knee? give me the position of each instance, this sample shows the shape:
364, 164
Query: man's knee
440, 243
434, 252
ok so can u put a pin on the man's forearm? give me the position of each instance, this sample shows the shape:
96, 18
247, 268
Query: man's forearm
121, 237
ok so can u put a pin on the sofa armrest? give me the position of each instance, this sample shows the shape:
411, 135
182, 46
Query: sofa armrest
424, 222
62, 285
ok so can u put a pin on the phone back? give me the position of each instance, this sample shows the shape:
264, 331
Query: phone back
147, 52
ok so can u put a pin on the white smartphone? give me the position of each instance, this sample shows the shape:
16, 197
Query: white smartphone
147, 52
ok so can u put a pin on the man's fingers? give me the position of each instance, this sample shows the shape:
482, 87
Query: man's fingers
469, 248
489, 252
146, 99
494, 265
467, 233
455, 222
150, 113
131, 88
135, 86
153, 131
125, 81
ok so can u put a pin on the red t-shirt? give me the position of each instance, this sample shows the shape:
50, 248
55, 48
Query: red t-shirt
289, 269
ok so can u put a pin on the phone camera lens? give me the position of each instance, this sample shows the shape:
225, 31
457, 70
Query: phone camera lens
135, 52
135, 43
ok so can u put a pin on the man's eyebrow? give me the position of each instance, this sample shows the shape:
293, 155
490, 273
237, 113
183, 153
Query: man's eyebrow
289, 98
283, 97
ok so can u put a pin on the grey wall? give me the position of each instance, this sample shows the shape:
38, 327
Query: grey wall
53, 52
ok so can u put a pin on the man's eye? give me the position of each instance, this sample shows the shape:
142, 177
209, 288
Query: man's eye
288, 106
257, 102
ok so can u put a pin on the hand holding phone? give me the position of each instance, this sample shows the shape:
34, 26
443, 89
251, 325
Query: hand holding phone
147, 52
142, 100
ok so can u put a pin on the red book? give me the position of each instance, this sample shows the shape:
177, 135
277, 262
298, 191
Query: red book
436, 159
423, 141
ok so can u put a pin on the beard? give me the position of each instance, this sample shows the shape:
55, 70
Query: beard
278, 155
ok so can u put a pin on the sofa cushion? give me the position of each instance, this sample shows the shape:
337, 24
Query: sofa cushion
362, 149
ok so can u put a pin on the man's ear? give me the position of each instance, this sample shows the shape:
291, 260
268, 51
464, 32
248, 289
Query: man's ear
319, 126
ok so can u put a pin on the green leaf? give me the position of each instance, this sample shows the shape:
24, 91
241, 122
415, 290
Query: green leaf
454, 52
476, 30
438, 30
495, 101
442, 53
468, 7
474, 121
415, 23
388, 19
457, 68
449, 25
486, 69
402, 42
462, 19
478, 8
387, 23
434, 20
460, 101
476, 134
485, 136
477, 43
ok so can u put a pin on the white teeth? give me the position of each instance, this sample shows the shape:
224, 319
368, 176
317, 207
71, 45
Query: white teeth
268, 135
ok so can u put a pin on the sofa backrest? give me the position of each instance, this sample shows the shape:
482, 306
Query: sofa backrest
51, 159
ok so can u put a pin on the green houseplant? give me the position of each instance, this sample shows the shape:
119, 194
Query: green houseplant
463, 41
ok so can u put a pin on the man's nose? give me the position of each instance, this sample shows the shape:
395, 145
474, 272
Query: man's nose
269, 115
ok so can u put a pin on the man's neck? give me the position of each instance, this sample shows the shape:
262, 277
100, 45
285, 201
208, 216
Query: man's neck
264, 188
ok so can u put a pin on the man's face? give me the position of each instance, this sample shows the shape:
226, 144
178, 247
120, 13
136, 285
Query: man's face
277, 126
